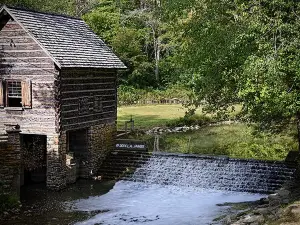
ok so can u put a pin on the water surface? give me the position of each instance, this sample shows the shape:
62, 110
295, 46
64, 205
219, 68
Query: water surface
133, 203
124, 203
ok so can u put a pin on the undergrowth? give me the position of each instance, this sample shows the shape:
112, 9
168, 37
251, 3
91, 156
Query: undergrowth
235, 140
7, 201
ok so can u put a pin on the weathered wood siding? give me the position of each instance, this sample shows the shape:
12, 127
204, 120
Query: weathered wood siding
81, 92
23, 59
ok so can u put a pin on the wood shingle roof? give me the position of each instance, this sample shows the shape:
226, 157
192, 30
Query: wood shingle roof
69, 41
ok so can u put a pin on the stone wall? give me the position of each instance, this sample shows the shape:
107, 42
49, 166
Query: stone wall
10, 161
101, 139
56, 161
60, 171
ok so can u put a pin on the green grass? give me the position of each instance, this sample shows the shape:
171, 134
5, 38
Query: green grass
149, 116
235, 140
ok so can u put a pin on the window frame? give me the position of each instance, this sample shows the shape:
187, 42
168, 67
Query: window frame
6, 93
26, 97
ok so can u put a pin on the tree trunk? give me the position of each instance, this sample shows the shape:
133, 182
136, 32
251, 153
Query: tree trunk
157, 58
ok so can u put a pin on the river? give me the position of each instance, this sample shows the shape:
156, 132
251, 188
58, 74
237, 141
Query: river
124, 203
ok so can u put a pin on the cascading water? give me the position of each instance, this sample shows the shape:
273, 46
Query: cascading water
214, 173
182, 190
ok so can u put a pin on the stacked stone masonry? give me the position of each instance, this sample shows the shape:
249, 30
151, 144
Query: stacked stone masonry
56, 161
10, 161
101, 142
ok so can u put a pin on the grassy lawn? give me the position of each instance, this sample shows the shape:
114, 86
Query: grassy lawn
147, 116
235, 140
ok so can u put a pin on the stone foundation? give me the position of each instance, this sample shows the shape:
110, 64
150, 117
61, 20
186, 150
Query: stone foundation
101, 139
10, 163
60, 171
63, 169
56, 161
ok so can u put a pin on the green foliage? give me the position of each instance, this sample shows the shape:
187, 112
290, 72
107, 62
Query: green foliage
191, 120
141, 34
54, 6
235, 140
244, 52
7, 201
128, 95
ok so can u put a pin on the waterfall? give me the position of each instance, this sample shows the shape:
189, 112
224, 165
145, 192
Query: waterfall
211, 172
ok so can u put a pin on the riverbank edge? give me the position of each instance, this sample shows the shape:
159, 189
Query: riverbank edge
281, 207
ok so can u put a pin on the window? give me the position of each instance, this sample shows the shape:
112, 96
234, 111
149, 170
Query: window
15, 93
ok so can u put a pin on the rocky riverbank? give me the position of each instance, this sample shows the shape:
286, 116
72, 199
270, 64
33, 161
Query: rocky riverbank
182, 129
280, 208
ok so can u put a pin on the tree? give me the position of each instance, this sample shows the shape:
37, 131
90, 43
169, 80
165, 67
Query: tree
141, 34
270, 81
69, 7
246, 52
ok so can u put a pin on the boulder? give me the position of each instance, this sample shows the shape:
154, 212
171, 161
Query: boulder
249, 219
274, 199
285, 195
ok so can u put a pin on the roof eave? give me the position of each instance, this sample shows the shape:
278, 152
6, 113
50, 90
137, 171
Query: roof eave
94, 67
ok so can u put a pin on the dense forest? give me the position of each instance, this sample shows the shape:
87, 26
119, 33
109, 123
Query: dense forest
216, 52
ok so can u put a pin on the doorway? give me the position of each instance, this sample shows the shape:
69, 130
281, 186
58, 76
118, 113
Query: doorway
77, 141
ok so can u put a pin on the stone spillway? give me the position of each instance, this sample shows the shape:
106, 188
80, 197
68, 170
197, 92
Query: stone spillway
219, 173
210, 172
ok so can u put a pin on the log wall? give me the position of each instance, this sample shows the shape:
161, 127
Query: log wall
88, 98
23, 59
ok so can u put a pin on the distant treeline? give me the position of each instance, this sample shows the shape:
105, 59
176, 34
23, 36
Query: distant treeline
173, 94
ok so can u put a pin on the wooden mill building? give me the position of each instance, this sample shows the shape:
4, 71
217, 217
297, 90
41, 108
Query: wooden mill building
58, 82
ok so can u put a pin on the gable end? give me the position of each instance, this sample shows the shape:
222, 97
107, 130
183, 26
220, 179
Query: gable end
4, 11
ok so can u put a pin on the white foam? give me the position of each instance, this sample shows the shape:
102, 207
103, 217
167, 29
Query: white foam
131, 203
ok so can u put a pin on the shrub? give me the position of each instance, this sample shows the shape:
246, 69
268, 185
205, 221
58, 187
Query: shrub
200, 120
7, 201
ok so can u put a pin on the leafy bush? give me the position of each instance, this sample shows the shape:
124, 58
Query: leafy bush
195, 119
7, 201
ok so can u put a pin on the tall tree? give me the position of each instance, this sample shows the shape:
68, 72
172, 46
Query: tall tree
141, 36
69, 7
246, 52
